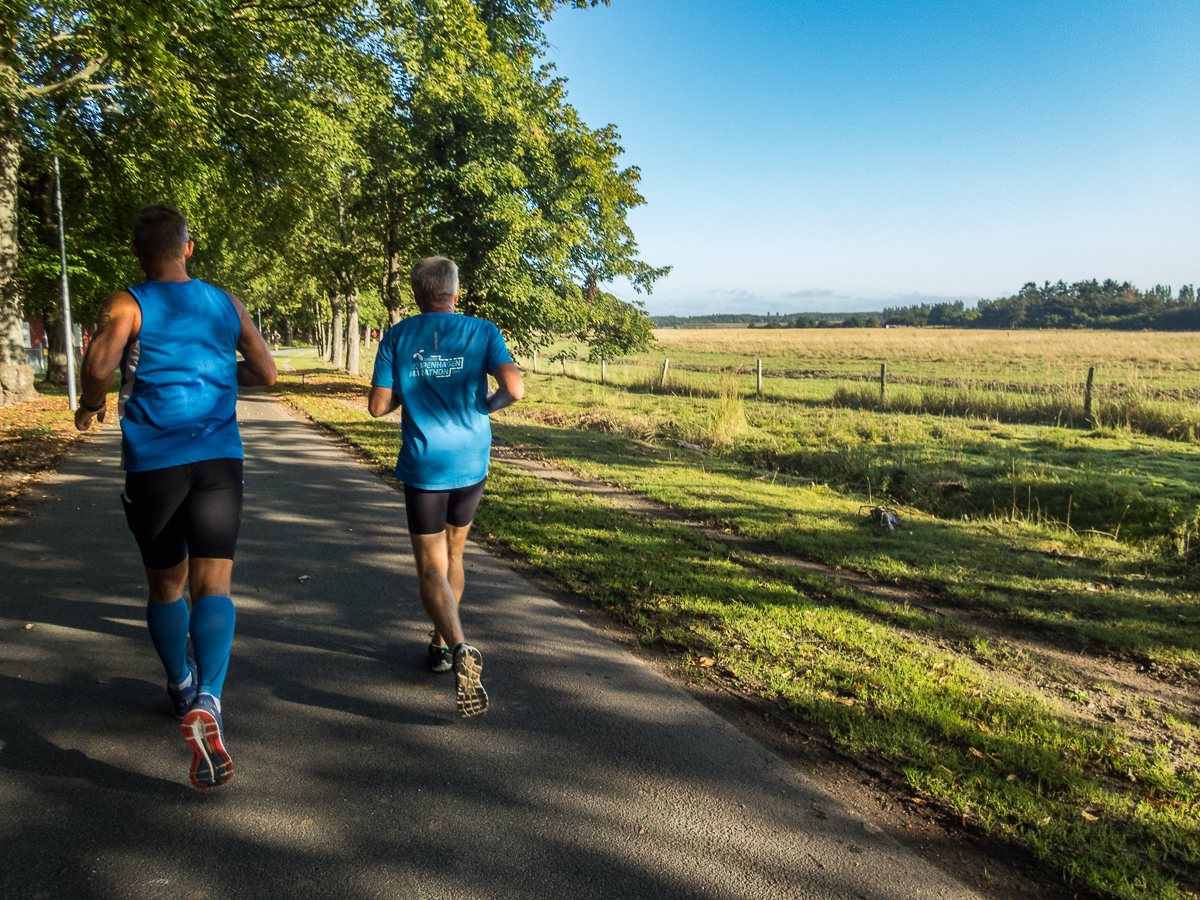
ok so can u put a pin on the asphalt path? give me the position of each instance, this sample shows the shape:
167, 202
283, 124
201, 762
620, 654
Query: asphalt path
591, 776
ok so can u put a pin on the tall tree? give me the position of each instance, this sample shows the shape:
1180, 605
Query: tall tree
186, 85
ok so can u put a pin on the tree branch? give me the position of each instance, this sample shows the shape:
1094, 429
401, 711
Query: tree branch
79, 78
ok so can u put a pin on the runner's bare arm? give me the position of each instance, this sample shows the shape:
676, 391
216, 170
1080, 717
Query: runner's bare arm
511, 387
257, 367
382, 400
119, 322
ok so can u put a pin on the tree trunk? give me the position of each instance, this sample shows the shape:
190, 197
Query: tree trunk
56, 352
338, 303
287, 333
393, 277
352, 333
16, 375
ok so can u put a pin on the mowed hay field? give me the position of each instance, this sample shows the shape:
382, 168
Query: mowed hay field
1147, 383
1164, 359
1156, 360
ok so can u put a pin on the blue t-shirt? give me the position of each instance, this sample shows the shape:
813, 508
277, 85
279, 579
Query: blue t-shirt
178, 401
438, 363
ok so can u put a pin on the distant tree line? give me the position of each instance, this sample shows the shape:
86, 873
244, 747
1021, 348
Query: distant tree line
780, 320
1084, 304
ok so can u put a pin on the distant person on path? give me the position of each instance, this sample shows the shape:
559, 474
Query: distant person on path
436, 365
176, 341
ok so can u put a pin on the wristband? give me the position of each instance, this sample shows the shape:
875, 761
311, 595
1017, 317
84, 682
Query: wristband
92, 409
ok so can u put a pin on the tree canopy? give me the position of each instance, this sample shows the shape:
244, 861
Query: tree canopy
318, 151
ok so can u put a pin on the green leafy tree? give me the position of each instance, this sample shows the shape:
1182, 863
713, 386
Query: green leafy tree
194, 104
523, 196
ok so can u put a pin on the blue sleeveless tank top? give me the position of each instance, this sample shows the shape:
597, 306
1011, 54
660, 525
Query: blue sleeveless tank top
178, 401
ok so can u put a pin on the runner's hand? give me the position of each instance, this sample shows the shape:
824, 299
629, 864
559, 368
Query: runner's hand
83, 417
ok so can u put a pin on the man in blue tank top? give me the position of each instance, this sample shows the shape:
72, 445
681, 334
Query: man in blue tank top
436, 365
176, 342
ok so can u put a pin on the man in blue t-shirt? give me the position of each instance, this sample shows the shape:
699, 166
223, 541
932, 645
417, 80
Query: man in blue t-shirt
176, 341
436, 366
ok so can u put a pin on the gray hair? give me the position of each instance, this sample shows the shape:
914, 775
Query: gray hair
160, 232
434, 280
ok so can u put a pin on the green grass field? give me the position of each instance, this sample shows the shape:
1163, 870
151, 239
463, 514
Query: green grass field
1081, 536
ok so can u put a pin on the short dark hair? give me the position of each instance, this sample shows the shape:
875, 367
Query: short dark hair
160, 232
434, 279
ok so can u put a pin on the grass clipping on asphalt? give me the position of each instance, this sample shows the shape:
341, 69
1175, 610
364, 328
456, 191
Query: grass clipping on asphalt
1111, 813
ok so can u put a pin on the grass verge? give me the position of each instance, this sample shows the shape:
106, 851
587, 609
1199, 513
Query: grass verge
1118, 815
34, 436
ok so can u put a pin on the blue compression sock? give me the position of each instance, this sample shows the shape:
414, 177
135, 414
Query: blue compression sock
212, 638
168, 624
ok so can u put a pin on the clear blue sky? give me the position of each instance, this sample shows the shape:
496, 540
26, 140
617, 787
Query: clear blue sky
838, 154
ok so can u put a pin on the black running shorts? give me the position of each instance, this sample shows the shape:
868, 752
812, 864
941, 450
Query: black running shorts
429, 512
181, 511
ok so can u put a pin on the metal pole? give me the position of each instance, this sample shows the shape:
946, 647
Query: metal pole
68, 329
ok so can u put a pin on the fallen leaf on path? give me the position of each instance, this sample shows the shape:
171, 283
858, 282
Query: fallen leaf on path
706, 662
1087, 815
975, 752
302, 577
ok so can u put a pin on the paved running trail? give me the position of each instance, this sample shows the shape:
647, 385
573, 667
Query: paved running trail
591, 776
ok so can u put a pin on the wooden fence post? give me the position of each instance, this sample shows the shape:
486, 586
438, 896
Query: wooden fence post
760, 378
1087, 396
882, 380
603, 370
662, 382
